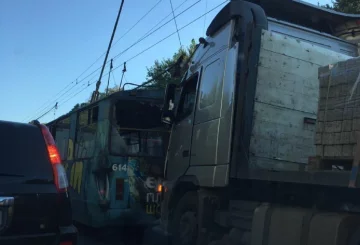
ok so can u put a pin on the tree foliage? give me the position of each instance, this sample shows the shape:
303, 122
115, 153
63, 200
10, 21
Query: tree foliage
78, 106
161, 80
346, 6
110, 91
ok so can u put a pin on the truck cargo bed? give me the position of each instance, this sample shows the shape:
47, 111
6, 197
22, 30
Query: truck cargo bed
324, 177
285, 112
286, 95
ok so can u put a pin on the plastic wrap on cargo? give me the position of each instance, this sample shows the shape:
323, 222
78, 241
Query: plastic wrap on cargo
339, 109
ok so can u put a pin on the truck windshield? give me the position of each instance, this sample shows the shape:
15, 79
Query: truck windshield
136, 130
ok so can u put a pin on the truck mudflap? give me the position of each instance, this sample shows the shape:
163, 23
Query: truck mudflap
286, 225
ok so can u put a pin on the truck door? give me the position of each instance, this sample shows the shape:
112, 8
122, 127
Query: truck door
211, 134
179, 148
212, 123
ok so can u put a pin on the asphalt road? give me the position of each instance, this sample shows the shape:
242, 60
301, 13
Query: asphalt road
85, 240
111, 236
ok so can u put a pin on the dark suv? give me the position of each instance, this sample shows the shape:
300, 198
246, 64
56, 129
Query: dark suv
34, 203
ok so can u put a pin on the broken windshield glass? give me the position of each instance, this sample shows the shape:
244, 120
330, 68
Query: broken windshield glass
136, 130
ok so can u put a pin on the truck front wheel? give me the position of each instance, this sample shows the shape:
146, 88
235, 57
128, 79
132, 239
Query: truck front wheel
184, 225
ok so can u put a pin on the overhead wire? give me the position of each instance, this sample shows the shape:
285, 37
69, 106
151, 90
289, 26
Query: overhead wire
148, 12
130, 29
62, 94
67, 91
177, 29
206, 2
54, 107
85, 84
41, 108
151, 33
163, 39
119, 54
165, 17
78, 92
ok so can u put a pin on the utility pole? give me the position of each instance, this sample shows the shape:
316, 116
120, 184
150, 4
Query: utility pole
95, 94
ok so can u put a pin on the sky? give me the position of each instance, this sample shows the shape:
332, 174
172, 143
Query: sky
47, 48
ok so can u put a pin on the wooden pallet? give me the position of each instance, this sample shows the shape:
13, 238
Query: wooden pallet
330, 163
350, 164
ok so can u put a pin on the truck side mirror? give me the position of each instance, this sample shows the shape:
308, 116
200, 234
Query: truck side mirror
168, 114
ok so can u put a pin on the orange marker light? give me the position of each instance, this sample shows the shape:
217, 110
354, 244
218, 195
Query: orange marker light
159, 188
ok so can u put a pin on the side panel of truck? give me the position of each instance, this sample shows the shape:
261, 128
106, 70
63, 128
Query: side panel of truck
286, 94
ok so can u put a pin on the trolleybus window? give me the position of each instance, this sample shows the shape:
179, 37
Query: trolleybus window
86, 133
137, 134
142, 142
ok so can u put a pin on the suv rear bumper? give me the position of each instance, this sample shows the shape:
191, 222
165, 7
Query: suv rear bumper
65, 234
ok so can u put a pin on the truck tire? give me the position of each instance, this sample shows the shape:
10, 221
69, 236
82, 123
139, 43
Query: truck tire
184, 225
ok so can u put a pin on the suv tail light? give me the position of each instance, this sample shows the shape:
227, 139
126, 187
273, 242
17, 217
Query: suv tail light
61, 180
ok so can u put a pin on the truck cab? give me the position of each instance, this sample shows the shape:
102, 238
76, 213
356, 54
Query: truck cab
247, 111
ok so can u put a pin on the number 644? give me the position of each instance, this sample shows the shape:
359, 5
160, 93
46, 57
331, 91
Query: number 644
119, 167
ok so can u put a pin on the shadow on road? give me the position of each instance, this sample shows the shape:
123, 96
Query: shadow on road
110, 235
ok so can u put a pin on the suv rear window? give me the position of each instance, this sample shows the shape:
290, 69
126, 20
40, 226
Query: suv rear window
23, 151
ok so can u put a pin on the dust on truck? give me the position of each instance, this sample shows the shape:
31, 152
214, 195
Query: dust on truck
242, 165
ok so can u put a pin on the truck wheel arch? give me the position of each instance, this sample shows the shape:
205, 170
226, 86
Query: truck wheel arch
184, 223
183, 185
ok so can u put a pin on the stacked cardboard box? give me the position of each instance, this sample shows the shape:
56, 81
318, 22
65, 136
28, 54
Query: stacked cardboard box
338, 120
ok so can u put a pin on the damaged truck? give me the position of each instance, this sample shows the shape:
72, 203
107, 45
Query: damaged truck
262, 147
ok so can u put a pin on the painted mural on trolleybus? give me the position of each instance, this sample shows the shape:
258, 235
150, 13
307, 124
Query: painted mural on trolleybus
114, 154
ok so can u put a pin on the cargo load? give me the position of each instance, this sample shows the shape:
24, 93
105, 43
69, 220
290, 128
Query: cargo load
338, 122
286, 102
